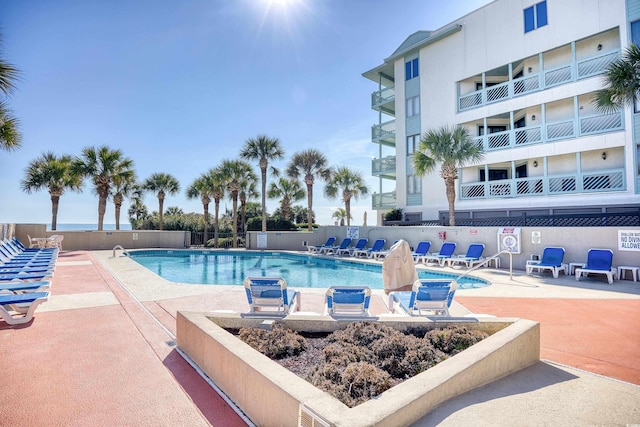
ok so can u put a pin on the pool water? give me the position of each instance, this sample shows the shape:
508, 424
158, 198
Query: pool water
298, 270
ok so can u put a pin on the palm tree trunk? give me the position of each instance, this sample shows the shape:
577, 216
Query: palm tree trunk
160, 209
347, 207
55, 202
309, 206
102, 208
216, 208
451, 198
118, 207
264, 198
235, 220
205, 206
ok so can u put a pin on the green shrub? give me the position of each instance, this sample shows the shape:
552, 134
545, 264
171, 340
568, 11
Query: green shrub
393, 215
273, 224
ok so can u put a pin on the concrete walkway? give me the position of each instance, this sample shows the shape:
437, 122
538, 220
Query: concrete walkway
101, 351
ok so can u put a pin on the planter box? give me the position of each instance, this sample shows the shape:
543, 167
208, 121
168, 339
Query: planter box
272, 395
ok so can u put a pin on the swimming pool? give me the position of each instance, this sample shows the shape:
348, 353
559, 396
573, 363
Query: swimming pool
299, 270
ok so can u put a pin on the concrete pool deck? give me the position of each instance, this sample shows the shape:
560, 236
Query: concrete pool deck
101, 351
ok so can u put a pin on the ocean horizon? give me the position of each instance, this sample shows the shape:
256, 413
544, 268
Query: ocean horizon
87, 227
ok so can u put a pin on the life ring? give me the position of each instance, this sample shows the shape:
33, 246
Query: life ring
510, 242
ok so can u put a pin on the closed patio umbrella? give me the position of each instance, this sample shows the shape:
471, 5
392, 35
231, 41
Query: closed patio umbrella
398, 270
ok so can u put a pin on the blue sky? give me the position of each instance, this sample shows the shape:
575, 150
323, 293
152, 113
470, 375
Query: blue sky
180, 86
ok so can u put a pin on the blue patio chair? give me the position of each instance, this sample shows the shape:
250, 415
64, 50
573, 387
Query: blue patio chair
343, 245
360, 244
428, 297
421, 250
270, 293
446, 252
472, 257
16, 309
378, 245
348, 301
599, 261
552, 259
316, 248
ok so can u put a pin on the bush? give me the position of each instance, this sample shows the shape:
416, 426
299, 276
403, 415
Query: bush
273, 224
276, 343
453, 340
393, 215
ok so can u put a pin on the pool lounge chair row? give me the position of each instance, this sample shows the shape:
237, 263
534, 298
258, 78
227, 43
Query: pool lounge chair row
25, 278
269, 297
599, 261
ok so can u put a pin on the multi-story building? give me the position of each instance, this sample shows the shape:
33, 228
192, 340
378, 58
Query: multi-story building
521, 76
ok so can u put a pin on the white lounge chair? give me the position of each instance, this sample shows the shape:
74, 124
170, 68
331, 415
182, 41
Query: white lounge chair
19, 308
599, 261
270, 296
348, 301
552, 258
471, 258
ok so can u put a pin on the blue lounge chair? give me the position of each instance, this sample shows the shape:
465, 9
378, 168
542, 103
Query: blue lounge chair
446, 252
270, 293
378, 245
26, 277
19, 308
316, 248
24, 287
348, 301
360, 244
552, 259
343, 245
421, 250
472, 257
599, 261
428, 296
383, 254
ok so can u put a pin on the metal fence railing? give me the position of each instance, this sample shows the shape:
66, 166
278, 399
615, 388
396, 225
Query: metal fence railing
607, 219
225, 240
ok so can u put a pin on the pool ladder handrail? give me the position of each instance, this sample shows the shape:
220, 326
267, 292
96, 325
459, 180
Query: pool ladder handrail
486, 261
124, 251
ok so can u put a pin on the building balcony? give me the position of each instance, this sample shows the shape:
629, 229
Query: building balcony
576, 183
384, 167
384, 133
552, 131
547, 78
384, 100
382, 201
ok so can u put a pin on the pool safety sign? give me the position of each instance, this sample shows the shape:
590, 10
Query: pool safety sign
509, 239
262, 241
353, 232
629, 240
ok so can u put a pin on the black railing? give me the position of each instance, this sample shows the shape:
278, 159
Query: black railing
608, 219
225, 240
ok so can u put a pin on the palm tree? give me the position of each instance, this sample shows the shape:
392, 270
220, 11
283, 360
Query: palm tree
123, 185
263, 149
233, 173
247, 192
340, 214
55, 174
138, 210
453, 148
309, 163
622, 81
160, 184
202, 187
10, 136
102, 164
288, 190
352, 185
218, 193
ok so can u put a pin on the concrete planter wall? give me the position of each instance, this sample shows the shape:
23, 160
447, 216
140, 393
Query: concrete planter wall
272, 395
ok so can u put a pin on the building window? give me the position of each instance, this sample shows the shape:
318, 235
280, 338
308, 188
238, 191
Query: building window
412, 144
411, 69
414, 184
635, 33
413, 106
535, 16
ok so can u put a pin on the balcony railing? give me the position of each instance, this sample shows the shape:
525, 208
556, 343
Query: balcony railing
584, 68
383, 200
585, 182
384, 133
588, 125
383, 97
385, 166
